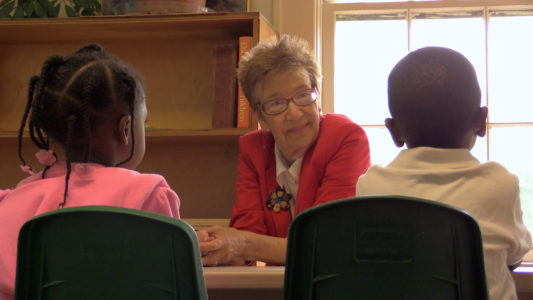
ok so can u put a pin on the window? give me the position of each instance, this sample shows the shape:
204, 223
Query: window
369, 39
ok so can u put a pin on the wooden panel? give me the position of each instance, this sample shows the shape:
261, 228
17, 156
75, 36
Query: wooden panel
177, 79
10, 173
525, 296
265, 29
183, 27
248, 282
256, 294
203, 175
523, 278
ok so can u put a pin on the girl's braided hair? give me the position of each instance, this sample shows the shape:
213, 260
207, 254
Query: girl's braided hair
71, 95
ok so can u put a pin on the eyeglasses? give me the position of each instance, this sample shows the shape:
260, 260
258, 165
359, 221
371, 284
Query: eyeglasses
277, 106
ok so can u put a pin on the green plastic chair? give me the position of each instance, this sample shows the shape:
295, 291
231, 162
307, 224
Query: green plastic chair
384, 247
104, 252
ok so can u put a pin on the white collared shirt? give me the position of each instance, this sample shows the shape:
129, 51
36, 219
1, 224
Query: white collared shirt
455, 177
287, 176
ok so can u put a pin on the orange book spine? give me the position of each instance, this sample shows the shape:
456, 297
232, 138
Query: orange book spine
243, 106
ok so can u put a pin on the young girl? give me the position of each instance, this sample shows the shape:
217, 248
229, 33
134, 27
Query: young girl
92, 105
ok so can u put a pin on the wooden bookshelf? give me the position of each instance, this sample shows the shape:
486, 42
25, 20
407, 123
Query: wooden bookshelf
174, 55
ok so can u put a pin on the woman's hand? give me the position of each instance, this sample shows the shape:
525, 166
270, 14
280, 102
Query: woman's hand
222, 246
231, 247
203, 236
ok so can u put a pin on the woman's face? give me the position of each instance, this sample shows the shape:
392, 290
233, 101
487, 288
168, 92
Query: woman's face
295, 129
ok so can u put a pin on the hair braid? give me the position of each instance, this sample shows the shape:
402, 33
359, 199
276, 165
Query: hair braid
49, 68
33, 81
86, 93
89, 48
70, 129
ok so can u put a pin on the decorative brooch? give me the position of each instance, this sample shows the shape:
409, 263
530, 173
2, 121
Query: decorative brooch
279, 199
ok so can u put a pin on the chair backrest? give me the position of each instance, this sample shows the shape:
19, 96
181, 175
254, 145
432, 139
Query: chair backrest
103, 252
384, 247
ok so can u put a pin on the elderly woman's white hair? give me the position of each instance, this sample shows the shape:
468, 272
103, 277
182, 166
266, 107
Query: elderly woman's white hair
272, 56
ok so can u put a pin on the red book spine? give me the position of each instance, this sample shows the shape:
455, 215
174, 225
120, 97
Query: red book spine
243, 106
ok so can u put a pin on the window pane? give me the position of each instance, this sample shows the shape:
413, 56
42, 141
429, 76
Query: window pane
512, 147
365, 53
382, 148
466, 35
510, 69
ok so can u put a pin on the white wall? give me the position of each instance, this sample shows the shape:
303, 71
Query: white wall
296, 17
263, 6
299, 17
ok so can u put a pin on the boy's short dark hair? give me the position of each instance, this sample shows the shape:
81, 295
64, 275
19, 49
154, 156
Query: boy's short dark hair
433, 95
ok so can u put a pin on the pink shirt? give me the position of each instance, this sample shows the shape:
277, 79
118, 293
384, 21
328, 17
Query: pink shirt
89, 184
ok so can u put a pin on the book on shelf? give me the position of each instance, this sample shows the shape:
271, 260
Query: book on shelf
224, 85
243, 106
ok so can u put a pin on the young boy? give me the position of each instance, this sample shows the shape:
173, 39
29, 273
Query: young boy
434, 101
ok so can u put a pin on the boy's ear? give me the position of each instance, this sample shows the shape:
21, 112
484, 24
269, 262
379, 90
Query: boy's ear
124, 128
480, 126
394, 132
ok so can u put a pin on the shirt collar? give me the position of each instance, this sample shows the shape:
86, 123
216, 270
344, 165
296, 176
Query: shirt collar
282, 166
422, 157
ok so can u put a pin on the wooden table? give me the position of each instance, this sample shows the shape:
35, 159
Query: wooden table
256, 283
266, 283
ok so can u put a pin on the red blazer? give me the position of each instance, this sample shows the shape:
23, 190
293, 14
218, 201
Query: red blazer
330, 170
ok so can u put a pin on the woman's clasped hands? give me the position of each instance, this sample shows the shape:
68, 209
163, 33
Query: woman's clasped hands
222, 246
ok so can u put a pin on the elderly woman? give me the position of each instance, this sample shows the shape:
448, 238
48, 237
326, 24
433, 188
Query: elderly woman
298, 159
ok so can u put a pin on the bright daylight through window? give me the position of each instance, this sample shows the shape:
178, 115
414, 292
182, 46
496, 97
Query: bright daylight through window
496, 40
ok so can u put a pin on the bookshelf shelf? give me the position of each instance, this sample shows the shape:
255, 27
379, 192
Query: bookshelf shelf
207, 133
163, 135
174, 54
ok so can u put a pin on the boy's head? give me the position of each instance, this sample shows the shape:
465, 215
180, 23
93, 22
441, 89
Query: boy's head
434, 100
